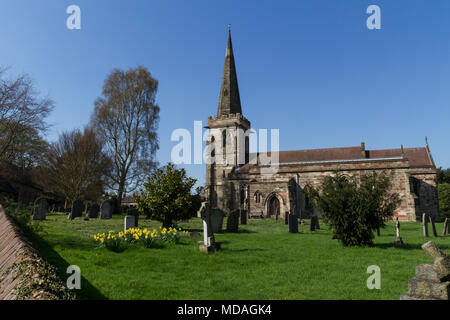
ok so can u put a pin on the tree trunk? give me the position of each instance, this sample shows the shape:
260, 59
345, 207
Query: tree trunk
167, 222
120, 192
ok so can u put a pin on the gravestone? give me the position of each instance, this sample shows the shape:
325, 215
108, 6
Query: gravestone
129, 222
243, 216
233, 221
135, 213
209, 244
202, 207
432, 281
93, 211
195, 234
398, 240
314, 222
445, 231
293, 223
216, 220
317, 223
424, 225
77, 209
433, 226
41, 209
106, 210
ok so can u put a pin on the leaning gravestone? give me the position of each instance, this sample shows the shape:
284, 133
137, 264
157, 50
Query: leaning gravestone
77, 209
293, 223
93, 211
106, 210
233, 221
433, 226
432, 281
41, 210
444, 232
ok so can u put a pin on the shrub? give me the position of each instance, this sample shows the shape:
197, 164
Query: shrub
167, 196
22, 215
355, 208
444, 200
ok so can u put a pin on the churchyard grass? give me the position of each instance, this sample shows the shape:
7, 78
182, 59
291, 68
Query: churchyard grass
262, 261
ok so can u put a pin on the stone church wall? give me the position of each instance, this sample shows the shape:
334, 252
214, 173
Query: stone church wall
415, 186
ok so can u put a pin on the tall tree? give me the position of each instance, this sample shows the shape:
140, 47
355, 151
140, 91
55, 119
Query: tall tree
22, 114
127, 117
77, 166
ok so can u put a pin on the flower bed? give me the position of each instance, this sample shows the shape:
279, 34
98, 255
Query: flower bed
120, 241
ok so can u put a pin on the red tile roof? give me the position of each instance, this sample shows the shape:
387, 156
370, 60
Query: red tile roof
417, 157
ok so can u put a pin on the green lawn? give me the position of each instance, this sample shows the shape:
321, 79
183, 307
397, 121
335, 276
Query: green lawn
263, 261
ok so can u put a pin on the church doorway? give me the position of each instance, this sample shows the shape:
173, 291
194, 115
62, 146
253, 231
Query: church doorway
274, 208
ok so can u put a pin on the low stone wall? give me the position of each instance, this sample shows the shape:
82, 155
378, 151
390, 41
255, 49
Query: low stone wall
24, 274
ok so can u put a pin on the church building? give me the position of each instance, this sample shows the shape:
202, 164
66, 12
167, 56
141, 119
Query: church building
238, 179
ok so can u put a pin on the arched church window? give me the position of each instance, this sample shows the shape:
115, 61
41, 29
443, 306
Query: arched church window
213, 147
224, 138
257, 196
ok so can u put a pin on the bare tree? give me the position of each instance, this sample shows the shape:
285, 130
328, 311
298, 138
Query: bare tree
127, 117
77, 166
22, 113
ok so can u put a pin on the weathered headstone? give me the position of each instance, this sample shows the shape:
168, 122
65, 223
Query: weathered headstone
432, 281
135, 213
93, 211
445, 231
398, 240
293, 223
106, 210
243, 216
195, 234
313, 224
424, 225
233, 221
433, 226
41, 209
128, 223
216, 220
77, 209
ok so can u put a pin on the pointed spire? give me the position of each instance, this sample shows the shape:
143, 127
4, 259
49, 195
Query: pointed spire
229, 101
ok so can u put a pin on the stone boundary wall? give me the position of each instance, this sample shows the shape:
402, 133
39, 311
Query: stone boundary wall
15, 251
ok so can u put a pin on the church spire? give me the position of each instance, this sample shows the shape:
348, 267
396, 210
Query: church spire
229, 101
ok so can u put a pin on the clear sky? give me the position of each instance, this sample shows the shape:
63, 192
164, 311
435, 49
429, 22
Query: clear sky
310, 68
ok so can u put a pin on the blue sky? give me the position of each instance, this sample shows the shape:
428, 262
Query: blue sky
310, 68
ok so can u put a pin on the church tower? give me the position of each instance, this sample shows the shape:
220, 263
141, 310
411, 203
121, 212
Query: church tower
228, 140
